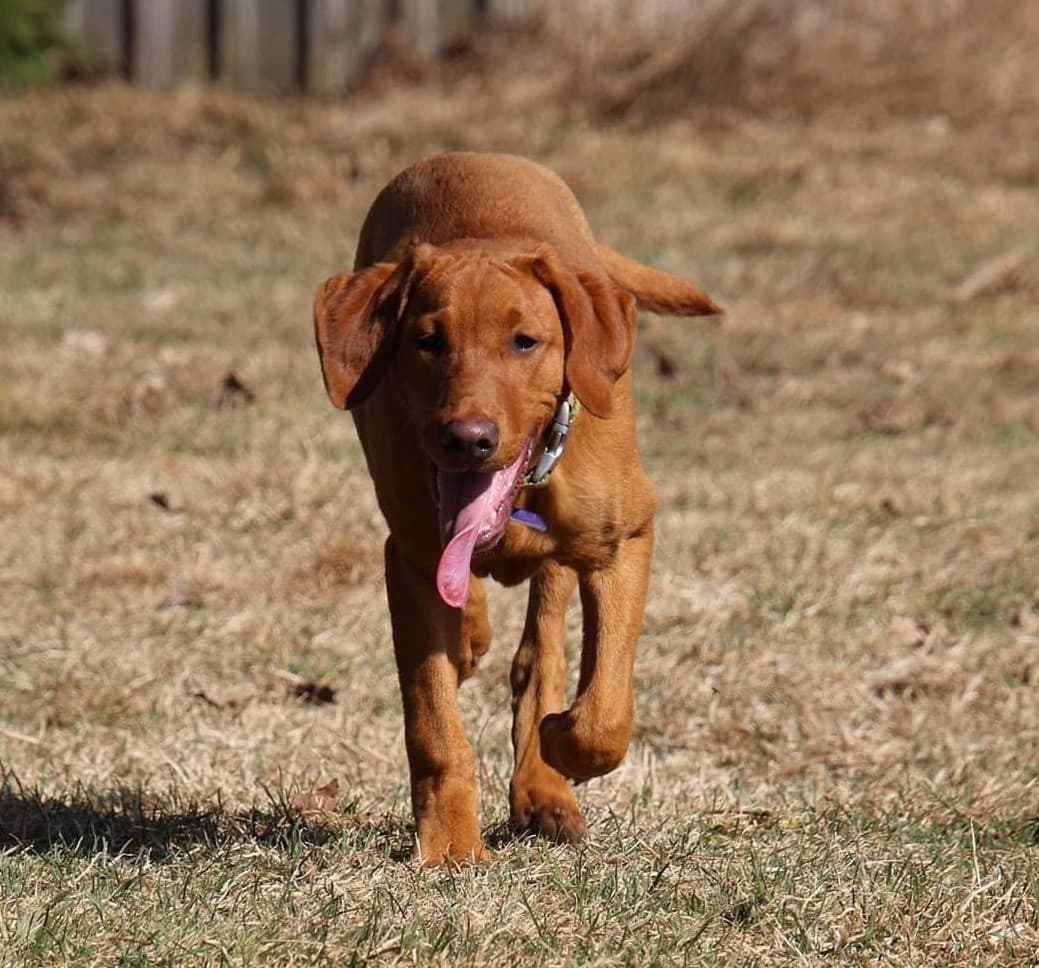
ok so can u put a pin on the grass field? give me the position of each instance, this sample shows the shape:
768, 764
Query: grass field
837, 735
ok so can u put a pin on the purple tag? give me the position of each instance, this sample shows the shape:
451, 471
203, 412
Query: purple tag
529, 518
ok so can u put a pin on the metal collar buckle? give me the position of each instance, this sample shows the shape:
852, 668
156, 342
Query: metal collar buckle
558, 433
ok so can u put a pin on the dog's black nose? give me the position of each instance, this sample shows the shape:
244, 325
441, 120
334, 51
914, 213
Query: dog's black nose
476, 438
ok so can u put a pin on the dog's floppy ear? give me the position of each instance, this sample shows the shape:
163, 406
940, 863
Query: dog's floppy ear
598, 324
355, 314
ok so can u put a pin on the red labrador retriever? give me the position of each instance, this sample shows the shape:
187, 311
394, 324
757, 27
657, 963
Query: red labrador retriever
483, 343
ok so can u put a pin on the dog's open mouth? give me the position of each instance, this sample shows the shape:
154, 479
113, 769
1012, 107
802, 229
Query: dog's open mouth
474, 510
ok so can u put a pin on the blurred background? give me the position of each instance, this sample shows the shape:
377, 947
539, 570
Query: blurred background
965, 58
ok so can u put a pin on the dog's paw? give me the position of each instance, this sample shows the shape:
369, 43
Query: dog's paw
552, 813
452, 855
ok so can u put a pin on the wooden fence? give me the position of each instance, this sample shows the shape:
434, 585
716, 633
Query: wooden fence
316, 46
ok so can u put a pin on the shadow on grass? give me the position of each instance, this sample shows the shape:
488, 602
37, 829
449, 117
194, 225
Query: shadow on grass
126, 821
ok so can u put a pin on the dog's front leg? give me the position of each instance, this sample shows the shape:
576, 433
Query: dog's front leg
592, 736
427, 644
540, 798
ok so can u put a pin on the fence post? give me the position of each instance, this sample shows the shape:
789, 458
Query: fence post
457, 19
342, 33
261, 44
506, 10
431, 25
421, 22
171, 43
98, 26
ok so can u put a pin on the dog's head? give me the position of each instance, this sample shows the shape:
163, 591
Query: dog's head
477, 334
482, 339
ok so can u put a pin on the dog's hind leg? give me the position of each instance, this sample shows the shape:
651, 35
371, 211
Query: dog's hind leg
540, 798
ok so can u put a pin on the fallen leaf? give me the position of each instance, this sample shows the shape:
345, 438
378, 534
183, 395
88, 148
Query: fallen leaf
233, 392
314, 693
890, 506
666, 366
161, 500
325, 799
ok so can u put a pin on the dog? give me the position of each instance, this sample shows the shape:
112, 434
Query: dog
483, 343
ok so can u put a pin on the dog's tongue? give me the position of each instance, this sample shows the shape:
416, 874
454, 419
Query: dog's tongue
469, 504
465, 502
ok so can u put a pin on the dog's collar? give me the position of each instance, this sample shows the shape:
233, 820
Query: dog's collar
558, 433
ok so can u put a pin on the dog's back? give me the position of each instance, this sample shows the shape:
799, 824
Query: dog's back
464, 195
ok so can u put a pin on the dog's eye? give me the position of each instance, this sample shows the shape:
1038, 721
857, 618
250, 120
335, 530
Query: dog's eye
524, 343
431, 342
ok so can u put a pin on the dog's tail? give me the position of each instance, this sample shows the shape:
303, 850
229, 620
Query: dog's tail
655, 290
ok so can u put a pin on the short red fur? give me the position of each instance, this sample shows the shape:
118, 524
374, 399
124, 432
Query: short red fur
478, 302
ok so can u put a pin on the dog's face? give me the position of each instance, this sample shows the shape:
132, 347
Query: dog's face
481, 340
479, 359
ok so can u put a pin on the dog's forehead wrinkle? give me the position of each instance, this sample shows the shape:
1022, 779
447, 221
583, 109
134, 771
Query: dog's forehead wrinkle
476, 296
484, 286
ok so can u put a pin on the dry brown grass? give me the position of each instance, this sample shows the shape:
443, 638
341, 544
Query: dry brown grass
836, 747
